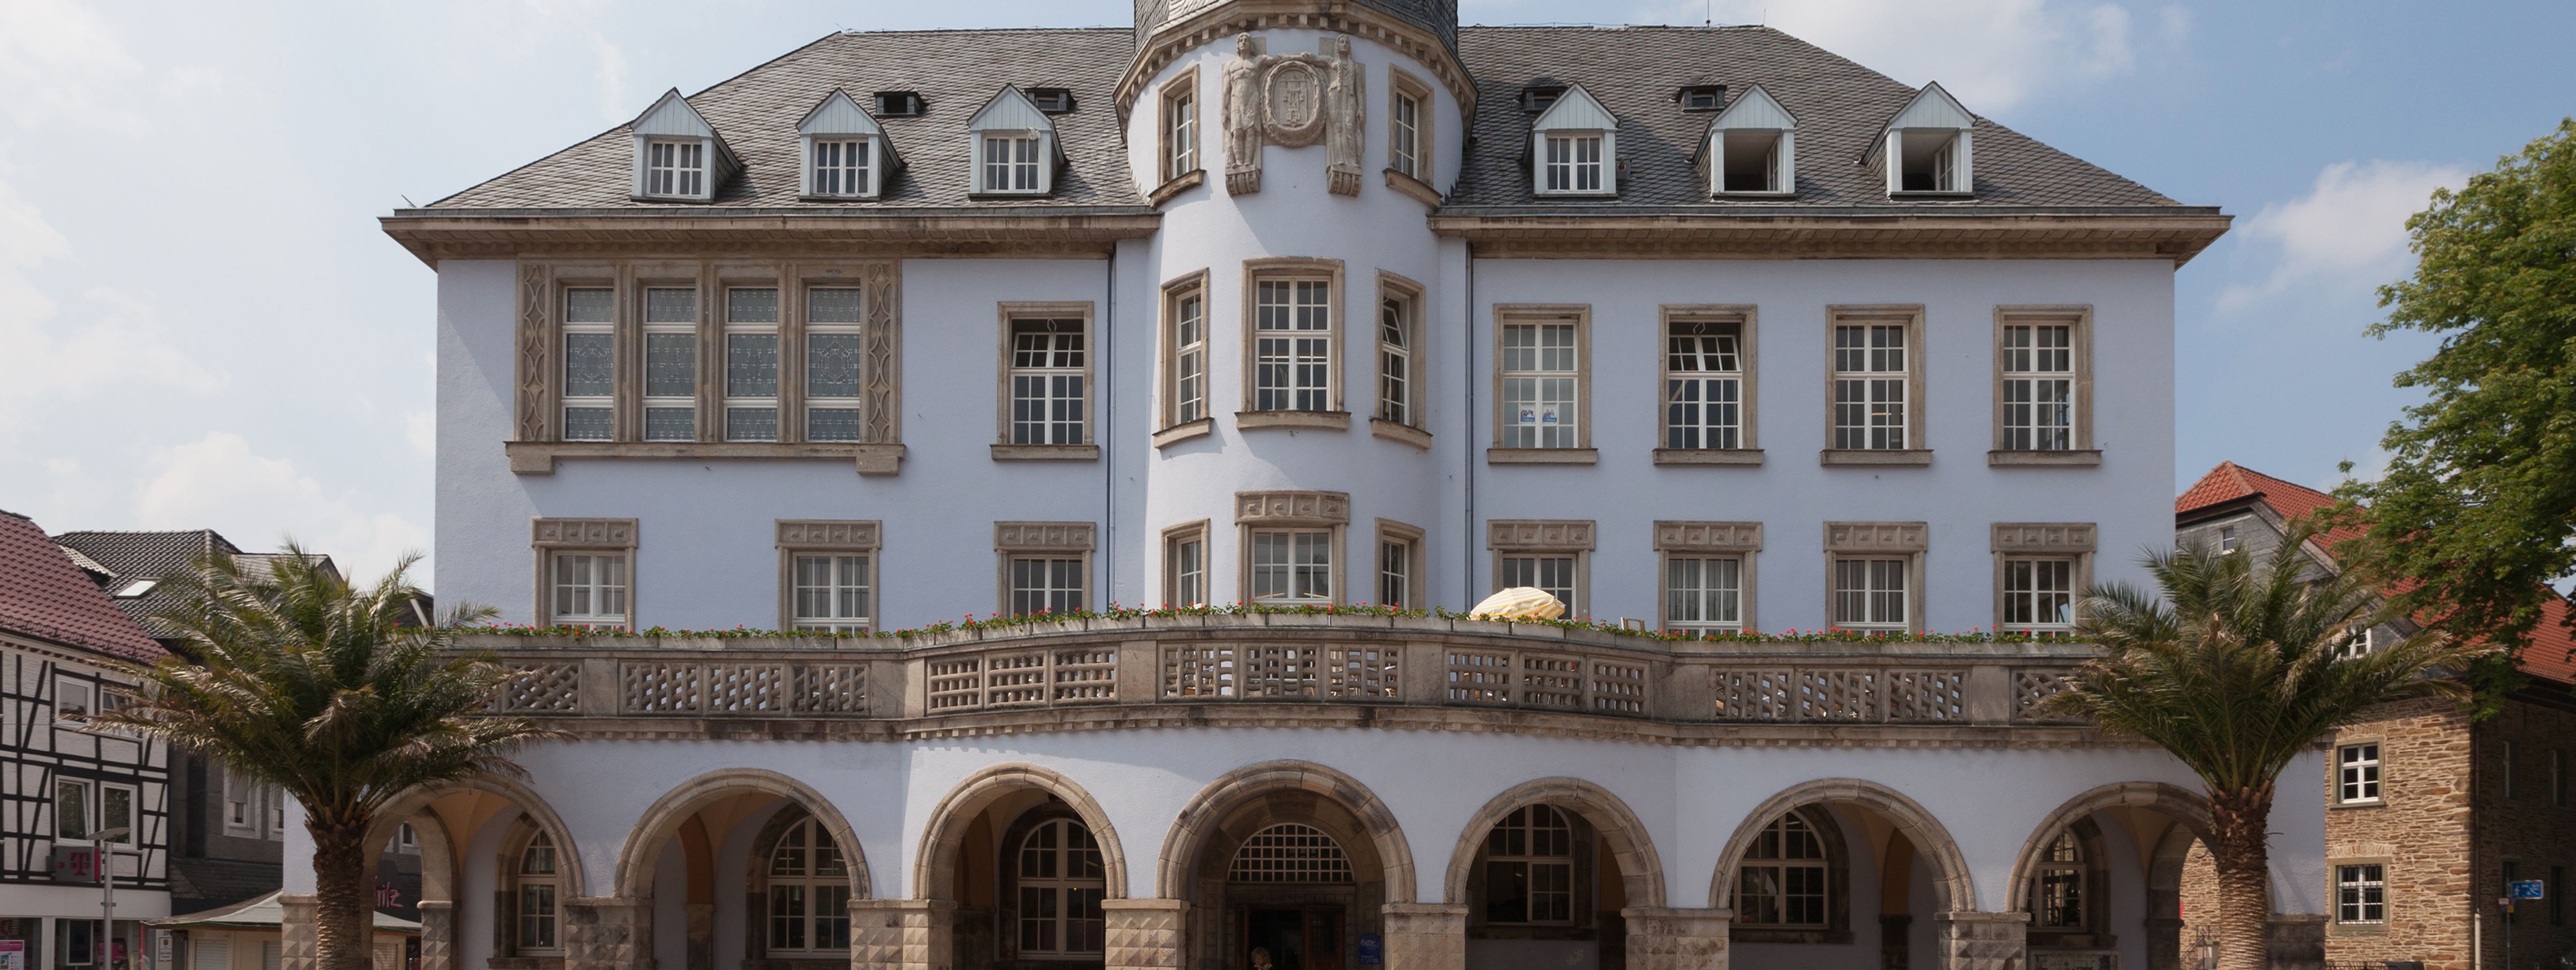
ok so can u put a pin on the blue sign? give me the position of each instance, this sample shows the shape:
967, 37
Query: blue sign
2522, 889
1372, 950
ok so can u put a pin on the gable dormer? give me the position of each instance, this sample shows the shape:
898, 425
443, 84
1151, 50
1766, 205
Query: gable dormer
1014, 146
1926, 146
678, 156
1752, 147
1574, 147
844, 153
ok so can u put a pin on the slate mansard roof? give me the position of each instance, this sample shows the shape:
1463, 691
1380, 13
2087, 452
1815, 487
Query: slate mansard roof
1842, 108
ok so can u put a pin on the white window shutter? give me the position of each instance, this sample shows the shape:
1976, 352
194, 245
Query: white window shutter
1538, 162
1716, 161
1895, 158
1788, 174
1961, 173
1610, 162
637, 181
1046, 162
805, 165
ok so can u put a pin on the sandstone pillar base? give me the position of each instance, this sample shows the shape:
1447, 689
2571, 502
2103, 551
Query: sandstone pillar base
437, 934
702, 935
1677, 939
1143, 934
902, 934
608, 933
1426, 936
300, 932
2297, 941
1982, 941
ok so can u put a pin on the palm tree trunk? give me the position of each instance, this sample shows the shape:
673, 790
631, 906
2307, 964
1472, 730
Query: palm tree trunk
344, 905
2243, 858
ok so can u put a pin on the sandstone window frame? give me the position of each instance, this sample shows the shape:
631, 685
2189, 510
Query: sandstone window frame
534, 864
1181, 386
551, 538
2370, 765
1286, 511
2361, 873
1293, 270
809, 331
1748, 440
1042, 540
1412, 159
1575, 539
691, 327
1400, 415
1185, 565
2080, 450
1180, 132
1010, 315
2073, 543
1707, 540
1404, 543
1877, 541
1579, 317
1909, 316
744, 322
829, 537
570, 328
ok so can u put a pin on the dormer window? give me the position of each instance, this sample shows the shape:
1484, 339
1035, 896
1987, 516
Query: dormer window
846, 154
1702, 97
1014, 146
678, 156
1752, 147
1927, 149
1575, 147
1054, 101
899, 104
1540, 97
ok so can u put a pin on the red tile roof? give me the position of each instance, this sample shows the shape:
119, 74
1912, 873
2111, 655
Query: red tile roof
2552, 652
45, 597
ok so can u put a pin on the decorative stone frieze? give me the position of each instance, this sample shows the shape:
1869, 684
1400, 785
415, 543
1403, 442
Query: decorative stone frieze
1293, 101
2060, 538
536, 353
1981, 941
582, 533
901, 934
1676, 939
1290, 507
1538, 535
827, 534
1708, 536
1043, 536
608, 933
1426, 936
1143, 934
1876, 536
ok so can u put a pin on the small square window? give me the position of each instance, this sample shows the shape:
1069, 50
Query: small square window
2357, 773
1702, 97
1054, 101
2361, 894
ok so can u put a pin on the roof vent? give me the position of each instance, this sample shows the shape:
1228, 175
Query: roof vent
1054, 101
1701, 97
1537, 97
899, 104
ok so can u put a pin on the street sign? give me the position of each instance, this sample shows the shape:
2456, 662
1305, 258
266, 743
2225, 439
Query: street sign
2523, 889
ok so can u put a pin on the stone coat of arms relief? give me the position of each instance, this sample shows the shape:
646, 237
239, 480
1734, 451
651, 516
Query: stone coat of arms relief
1293, 101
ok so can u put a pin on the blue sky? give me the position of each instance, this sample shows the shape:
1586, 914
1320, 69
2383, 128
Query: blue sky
201, 326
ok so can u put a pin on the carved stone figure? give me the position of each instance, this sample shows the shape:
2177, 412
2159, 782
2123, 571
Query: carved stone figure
1293, 101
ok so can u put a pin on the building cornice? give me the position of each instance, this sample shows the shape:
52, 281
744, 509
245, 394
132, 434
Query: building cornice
1532, 232
1223, 20
436, 234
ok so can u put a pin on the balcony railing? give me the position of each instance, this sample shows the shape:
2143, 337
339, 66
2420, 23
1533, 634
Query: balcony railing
1284, 659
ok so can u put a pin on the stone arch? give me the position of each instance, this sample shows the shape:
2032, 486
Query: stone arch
1953, 889
1640, 869
935, 865
440, 849
642, 853
1198, 819
2184, 806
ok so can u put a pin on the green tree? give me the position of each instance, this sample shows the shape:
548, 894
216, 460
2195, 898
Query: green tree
2478, 507
299, 680
2237, 669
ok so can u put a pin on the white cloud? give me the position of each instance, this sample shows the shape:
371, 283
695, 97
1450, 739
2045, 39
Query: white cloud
54, 57
219, 482
118, 342
420, 428
2349, 229
1991, 54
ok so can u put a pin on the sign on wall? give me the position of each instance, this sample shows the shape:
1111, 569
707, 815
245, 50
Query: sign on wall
2521, 889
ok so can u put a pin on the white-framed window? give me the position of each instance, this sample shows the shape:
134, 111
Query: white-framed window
675, 167
406, 840
2357, 773
2039, 382
2226, 539
1754, 162
751, 363
1542, 372
71, 698
1573, 164
808, 909
1558, 574
2357, 643
1185, 390
536, 888
1783, 879
2057, 888
1045, 567
1291, 566
670, 363
240, 804
80, 941
834, 319
1873, 369
1185, 565
73, 799
1399, 565
1396, 374
834, 591
2361, 894
1049, 374
841, 166
589, 588
1408, 143
1181, 126
589, 363
1704, 385
2039, 595
1529, 868
276, 814
117, 810
1010, 163
1550, 555
1061, 883
1930, 160
1046, 584
1293, 345
1871, 593
1703, 592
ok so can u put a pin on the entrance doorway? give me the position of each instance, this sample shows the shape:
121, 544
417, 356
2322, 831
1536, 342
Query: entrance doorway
1304, 938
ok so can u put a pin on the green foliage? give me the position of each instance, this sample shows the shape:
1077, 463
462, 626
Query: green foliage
2235, 667
299, 680
2478, 506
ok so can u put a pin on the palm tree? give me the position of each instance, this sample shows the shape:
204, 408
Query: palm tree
294, 678
2238, 669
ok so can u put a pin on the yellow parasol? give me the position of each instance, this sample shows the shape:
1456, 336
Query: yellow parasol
1519, 603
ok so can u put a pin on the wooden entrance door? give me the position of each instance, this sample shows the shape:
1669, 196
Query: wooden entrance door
1294, 938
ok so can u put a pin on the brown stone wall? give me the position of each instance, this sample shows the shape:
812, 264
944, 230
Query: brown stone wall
2199, 893
2533, 828
2418, 832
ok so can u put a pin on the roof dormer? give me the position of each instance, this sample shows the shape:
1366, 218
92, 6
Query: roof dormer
1574, 147
1753, 147
844, 153
1014, 146
1926, 146
678, 156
